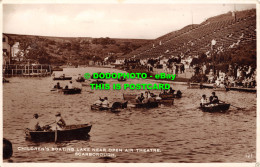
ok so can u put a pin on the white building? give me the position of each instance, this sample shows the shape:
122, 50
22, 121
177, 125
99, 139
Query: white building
16, 55
6, 50
120, 61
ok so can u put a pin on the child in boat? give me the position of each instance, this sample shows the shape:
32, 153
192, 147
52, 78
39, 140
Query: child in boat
99, 102
70, 86
140, 98
60, 123
57, 86
35, 124
148, 98
105, 103
171, 91
213, 99
204, 101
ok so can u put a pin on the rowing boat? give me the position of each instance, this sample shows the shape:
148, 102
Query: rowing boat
62, 78
80, 80
98, 82
121, 79
220, 107
5, 80
145, 105
70, 132
100, 108
220, 89
129, 96
71, 91
56, 90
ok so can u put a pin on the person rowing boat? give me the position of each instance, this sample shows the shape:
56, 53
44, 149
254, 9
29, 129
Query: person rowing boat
59, 123
171, 91
57, 86
213, 99
98, 102
139, 99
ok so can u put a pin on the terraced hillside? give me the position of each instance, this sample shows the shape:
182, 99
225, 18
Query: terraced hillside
229, 31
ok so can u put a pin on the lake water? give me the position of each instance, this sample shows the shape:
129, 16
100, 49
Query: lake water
181, 132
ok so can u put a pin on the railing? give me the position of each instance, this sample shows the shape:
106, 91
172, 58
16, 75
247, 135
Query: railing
38, 70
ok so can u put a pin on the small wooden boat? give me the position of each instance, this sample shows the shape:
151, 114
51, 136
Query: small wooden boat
194, 85
80, 79
70, 132
167, 96
62, 78
220, 89
146, 105
121, 79
5, 80
166, 101
56, 90
243, 89
170, 96
100, 108
220, 107
71, 91
129, 96
98, 82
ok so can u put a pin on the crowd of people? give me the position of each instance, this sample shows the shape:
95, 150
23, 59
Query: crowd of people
237, 76
172, 65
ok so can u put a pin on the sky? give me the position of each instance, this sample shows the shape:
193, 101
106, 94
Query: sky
139, 21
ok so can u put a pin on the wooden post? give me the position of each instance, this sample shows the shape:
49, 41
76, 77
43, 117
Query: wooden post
50, 68
41, 69
28, 69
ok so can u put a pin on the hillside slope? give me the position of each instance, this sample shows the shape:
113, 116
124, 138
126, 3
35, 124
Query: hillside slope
228, 32
73, 50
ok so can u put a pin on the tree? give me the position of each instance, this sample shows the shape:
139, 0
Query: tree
97, 58
24, 45
38, 53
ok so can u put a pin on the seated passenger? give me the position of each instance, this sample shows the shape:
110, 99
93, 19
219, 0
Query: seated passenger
60, 123
204, 101
213, 99
79, 77
105, 103
171, 91
99, 102
140, 98
57, 86
70, 85
178, 94
35, 124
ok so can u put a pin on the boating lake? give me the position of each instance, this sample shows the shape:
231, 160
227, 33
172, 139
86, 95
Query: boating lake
182, 132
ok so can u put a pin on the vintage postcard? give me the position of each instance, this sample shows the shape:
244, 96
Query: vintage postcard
128, 82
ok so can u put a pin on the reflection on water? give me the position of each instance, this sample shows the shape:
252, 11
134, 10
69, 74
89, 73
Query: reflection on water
182, 132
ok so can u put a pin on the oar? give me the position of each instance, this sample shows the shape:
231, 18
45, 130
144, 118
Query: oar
232, 105
56, 134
